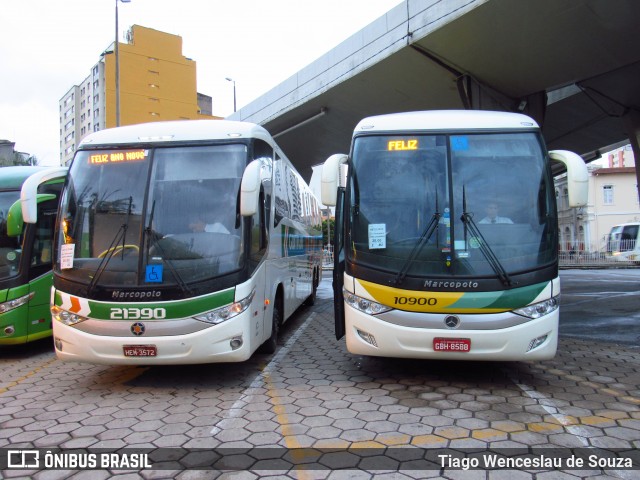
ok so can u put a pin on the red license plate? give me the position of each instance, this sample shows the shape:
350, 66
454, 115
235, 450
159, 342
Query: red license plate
140, 350
451, 344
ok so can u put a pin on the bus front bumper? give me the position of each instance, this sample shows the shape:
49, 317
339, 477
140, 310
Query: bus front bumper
227, 342
369, 335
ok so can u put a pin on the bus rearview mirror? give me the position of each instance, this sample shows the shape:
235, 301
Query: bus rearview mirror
330, 177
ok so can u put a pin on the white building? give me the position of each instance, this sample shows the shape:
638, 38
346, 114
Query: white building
613, 199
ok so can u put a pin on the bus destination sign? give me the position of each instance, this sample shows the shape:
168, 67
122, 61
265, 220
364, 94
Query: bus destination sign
117, 156
402, 145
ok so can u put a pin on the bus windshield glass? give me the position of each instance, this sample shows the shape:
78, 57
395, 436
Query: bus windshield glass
10, 249
152, 217
451, 205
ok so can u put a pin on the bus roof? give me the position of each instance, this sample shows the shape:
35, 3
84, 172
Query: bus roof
175, 131
438, 120
12, 178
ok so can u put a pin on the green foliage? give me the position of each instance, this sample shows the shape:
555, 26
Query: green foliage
325, 231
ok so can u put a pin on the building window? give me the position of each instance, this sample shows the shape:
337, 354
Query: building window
607, 194
96, 97
96, 114
96, 127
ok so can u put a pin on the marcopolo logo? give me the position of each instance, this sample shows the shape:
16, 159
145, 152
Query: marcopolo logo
450, 284
137, 295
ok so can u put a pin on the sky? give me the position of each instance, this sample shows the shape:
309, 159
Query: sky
48, 46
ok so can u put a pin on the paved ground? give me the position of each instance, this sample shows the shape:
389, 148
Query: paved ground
312, 393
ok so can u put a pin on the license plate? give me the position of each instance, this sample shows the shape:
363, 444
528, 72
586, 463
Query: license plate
451, 344
140, 350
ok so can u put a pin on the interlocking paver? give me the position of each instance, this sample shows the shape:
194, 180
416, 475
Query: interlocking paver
321, 396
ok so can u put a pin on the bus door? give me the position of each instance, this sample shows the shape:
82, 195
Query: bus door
338, 265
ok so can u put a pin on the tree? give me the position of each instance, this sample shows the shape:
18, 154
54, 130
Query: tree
18, 159
325, 231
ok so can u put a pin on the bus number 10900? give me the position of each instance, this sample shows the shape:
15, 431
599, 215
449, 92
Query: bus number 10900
414, 301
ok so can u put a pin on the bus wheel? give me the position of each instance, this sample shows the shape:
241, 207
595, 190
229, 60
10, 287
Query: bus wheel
272, 342
311, 299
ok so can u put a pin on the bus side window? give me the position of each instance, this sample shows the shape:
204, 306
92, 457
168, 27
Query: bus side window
43, 241
259, 230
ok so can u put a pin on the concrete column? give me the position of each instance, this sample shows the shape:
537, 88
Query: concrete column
631, 121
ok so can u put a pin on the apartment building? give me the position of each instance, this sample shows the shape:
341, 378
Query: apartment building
613, 199
156, 83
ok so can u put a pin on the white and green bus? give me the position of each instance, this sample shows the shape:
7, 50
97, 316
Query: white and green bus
28, 205
447, 229
181, 242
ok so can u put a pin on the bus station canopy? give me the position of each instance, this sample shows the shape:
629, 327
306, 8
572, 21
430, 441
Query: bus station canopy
573, 65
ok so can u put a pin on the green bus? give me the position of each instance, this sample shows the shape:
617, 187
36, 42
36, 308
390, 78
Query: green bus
28, 208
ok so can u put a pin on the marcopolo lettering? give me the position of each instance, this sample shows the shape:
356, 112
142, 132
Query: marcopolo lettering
148, 294
452, 285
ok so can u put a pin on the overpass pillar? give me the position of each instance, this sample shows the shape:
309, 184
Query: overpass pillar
631, 121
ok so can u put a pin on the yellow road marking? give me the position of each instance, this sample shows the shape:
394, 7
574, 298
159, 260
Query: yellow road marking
24, 377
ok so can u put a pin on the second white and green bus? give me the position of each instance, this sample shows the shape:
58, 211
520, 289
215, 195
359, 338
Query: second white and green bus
181, 242
28, 204
447, 230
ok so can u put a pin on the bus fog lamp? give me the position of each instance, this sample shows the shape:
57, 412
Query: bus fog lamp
536, 342
10, 330
223, 314
15, 303
538, 310
58, 344
364, 305
236, 342
367, 337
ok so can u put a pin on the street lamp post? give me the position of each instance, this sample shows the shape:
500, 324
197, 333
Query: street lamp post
234, 92
118, 66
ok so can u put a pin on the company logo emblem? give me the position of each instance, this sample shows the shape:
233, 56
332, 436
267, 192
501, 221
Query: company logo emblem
452, 322
138, 329
23, 459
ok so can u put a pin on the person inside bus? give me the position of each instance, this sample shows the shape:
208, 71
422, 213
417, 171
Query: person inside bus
492, 215
197, 224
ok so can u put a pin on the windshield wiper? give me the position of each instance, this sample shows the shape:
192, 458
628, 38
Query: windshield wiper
121, 233
486, 250
424, 238
151, 237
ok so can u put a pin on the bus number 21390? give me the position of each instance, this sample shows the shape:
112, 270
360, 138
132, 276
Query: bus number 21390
132, 313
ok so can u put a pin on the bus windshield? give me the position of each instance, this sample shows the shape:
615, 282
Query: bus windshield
476, 204
152, 217
10, 249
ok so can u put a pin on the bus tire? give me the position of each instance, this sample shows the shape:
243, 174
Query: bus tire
270, 345
311, 299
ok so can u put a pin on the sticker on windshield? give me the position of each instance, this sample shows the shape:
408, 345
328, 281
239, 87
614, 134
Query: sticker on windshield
459, 142
66, 255
153, 274
377, 236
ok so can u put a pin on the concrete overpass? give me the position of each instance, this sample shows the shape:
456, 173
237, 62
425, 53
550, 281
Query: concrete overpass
573, 65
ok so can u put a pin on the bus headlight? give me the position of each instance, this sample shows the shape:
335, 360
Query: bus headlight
223, 314
66, 317
366, 306
538, 310
15, 303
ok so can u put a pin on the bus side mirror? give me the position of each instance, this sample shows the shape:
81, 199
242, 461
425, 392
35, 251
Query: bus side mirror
330, 178
577, 176
15, 220
250, 189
